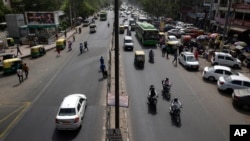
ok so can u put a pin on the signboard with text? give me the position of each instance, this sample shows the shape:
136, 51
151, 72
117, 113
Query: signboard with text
40, 18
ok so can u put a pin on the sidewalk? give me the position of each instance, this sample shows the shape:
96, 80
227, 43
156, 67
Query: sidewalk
25, 49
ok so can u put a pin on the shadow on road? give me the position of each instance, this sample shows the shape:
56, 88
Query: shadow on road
64, 135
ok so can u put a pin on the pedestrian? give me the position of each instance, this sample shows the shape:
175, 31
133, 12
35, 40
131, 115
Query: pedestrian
58, 51
18, 50
81, 48
167, 51
103, 69
56, 35
175, 57
69, 45
20, 74
80, 30
101, 60
163, 50
86, 45
65, 33
196, 54
26, 70
74, 37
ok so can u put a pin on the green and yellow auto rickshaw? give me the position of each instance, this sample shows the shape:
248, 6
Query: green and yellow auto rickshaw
139, 59
10, 42
37, 51
121, 29
61, 44
11, 65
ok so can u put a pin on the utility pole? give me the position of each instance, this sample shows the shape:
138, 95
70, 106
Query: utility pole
70, 14
116, 64
226, 23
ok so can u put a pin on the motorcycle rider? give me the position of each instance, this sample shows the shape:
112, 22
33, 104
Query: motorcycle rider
152, 93
166, 83
175, 104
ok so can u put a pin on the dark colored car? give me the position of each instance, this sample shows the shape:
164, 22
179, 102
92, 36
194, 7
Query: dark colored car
241, 97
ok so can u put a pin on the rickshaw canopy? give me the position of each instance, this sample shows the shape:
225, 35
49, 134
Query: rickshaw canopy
60, 41
8, 62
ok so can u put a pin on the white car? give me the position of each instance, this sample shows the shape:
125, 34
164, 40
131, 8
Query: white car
213, 73
128, 43
225, 59
188, 60
71, 112
229, 83
171, 40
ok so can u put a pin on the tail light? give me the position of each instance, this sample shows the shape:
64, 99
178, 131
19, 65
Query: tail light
56, 120
76, 119
221, 83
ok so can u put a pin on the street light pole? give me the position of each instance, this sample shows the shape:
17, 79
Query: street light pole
116, 64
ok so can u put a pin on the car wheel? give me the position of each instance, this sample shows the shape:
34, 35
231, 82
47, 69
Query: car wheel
211, 78
215, 63
229, 91
236, 66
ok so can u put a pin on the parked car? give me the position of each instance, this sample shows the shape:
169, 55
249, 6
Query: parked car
71, 112
213, 73
226, 59
229, 83
128, 43
241, 97
188, 60
176, 32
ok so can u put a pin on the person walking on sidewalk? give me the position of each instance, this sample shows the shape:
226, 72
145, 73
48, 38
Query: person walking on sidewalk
86, 45
175, 58
20, 75
101, 60
73, 37
81, 48
58, 51
18, 50
26, 70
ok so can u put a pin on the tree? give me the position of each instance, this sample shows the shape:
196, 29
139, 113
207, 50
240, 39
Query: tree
4, 10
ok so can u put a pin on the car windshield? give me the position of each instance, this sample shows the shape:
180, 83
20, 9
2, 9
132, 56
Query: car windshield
67, 112
191, 59
128, 41
172, 39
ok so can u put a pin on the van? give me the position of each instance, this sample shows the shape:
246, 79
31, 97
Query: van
226, 59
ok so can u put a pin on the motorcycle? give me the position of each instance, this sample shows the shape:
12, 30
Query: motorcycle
166, 91
152, 100
175, 114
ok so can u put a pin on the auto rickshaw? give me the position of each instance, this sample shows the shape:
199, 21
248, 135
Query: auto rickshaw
11, 65
10, 42
4, 56
121, 29
139, 59
61, 44
37, 51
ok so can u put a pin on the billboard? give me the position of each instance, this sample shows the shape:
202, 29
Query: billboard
39, 18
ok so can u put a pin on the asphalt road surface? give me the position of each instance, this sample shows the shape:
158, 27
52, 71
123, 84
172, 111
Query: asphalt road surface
51, 79
206, 113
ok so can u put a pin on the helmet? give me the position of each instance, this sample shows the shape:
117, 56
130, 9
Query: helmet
175, 99
166, 79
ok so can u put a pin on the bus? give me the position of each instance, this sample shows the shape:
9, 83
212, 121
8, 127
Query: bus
146, 33
103, 16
